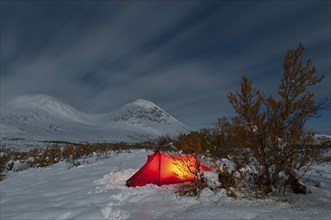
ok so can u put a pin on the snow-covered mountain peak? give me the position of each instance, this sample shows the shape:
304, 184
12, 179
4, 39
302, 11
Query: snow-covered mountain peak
40, 109
32, 99
141, 112
146, 114
143, 102
40, 101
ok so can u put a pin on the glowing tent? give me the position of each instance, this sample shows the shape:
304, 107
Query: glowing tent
163, 169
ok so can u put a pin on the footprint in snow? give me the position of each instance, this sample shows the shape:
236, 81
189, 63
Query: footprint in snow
112, 211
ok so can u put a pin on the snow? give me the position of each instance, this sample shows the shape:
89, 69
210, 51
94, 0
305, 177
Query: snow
97, 191
30, 119
143, 102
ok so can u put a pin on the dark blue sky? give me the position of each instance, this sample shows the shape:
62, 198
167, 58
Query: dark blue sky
185, 56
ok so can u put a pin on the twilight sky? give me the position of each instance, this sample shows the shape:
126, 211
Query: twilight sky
185, 56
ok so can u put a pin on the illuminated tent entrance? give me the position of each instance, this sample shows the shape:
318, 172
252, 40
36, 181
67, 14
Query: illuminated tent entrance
161, 169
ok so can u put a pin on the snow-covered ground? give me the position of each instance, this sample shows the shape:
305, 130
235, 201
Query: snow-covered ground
97, 191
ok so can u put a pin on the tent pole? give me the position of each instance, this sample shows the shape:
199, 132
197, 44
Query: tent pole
159, 168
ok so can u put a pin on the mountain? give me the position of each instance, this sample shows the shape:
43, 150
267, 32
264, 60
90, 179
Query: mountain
146, 114
42, 110
44, 118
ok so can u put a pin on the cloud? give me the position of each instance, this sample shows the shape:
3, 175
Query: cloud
184, 56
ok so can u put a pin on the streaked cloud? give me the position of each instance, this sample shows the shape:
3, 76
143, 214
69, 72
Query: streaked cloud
184, 56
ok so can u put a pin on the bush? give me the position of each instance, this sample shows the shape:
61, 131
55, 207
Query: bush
192, 188
164, 143
220, 139
192, 143
73, 154
269, 131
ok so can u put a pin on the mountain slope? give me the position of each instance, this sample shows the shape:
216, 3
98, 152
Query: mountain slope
44, 118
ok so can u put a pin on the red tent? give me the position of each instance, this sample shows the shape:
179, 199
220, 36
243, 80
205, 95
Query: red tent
163, 169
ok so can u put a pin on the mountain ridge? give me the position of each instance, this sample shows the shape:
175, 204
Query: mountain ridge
43, 118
